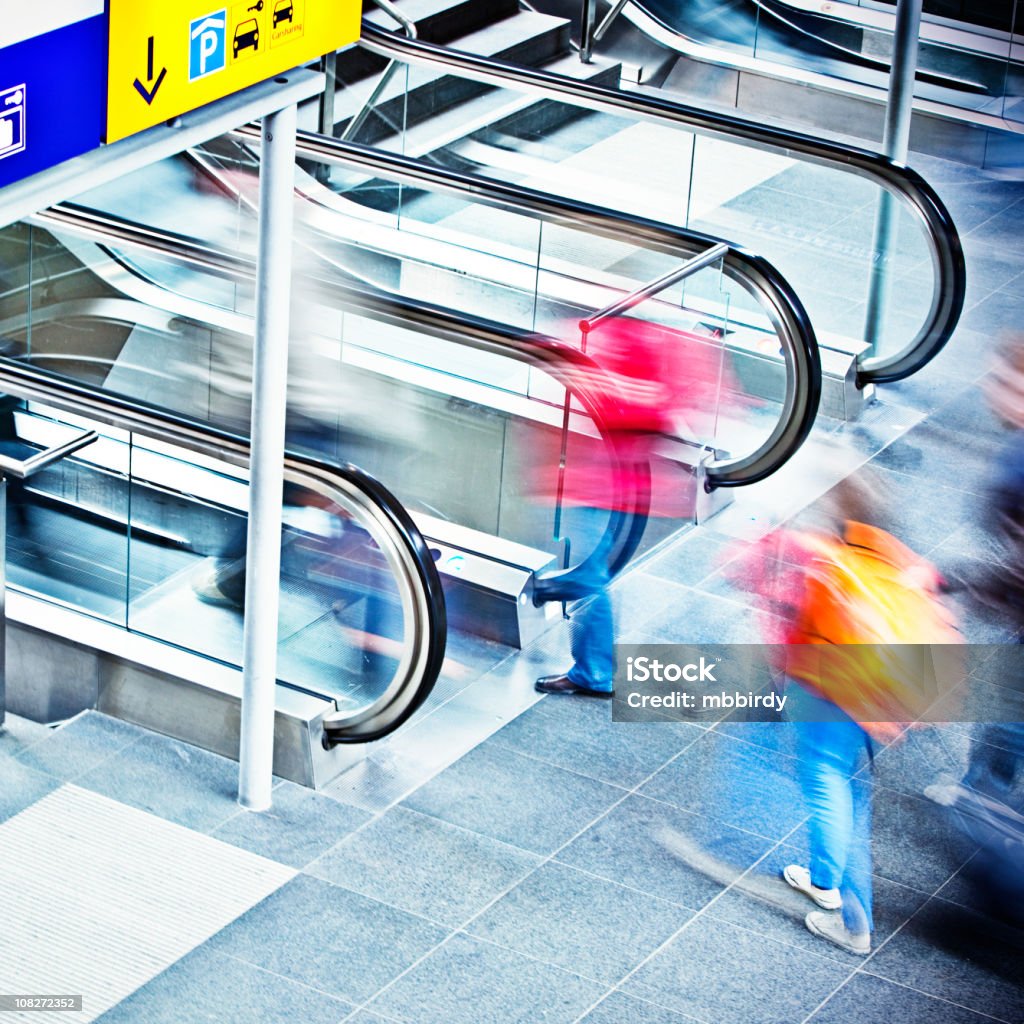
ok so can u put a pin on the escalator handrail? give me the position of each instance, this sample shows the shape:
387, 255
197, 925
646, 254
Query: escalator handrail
803, 391
345, 484
903, 182
753, 273
564, 363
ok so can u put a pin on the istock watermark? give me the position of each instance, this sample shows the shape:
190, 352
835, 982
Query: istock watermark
870, 682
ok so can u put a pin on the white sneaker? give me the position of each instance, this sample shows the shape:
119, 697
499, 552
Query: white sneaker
800, 879
831, 927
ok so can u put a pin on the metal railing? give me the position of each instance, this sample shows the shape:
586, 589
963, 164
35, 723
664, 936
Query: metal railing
753, 273
371, 504
908, 187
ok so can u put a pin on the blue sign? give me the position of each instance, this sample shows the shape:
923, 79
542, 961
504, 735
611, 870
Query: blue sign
52, 96
207, 51
12, 120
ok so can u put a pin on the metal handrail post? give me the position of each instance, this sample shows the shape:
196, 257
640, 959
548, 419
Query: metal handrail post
269, 402
588, 16
608, 19
325, 111
895, 145
634, 298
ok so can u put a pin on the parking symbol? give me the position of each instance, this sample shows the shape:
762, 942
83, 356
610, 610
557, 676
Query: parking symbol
206, 48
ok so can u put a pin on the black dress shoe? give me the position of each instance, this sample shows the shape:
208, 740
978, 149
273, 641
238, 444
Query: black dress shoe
563, 684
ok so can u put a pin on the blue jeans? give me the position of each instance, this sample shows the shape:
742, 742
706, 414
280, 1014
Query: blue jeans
832, 748
593, 628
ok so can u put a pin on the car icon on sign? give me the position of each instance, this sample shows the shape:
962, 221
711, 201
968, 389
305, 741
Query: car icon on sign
247, 33
283, 11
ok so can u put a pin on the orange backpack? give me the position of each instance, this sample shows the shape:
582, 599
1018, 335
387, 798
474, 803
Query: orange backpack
867, 629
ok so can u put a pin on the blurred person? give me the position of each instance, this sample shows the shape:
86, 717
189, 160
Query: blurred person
648, 381
334, 412
987, 805
849, 601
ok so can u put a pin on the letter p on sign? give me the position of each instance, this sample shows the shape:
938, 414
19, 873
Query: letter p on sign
207, 47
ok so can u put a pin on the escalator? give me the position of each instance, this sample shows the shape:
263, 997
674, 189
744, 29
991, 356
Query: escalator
956, 67
103, 549
808, 205
112, 308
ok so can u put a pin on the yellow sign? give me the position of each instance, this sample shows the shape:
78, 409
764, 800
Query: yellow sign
169, 58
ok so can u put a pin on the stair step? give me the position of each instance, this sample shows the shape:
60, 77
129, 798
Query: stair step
418, 93
442, 21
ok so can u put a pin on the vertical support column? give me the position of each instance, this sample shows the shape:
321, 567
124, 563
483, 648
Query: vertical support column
588, 16
325, 112
895, 144
3, 598
269, 402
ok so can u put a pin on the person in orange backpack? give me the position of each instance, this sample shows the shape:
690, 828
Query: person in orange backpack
853, 606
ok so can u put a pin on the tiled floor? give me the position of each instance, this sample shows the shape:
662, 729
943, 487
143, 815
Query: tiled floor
573, 870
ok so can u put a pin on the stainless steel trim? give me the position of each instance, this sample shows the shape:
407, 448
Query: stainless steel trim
23, 468
912, 191
754, 274
689, 268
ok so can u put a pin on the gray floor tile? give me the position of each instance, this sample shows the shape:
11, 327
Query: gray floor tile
17, 734
622, 1009
516, 799
776, 736
329, 938
870, 1000
912, 842
580, 735
206, 986
950, 952
639, 597
704, 618
434, 869
22, 786
691, 559
574, 920
727, 975
914, 521
763, 902
81, 745
300, 826
667, 852
171, 779
738, 783
468, 982
919, 757
924, 452
995, 312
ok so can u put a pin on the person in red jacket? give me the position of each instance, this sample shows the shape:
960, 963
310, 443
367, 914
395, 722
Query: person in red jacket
649, 383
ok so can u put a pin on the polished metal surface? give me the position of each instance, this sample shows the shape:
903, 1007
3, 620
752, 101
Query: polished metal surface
369, 503
555, 358
690, 267
802, 390
908, 187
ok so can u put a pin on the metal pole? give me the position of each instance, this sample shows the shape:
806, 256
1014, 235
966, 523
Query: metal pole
325, 113
895, 144
587, 18
634, 298
269, 400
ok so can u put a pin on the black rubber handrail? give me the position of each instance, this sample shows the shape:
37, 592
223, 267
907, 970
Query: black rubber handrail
756, 275
345, 484
567, 365
912, 191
